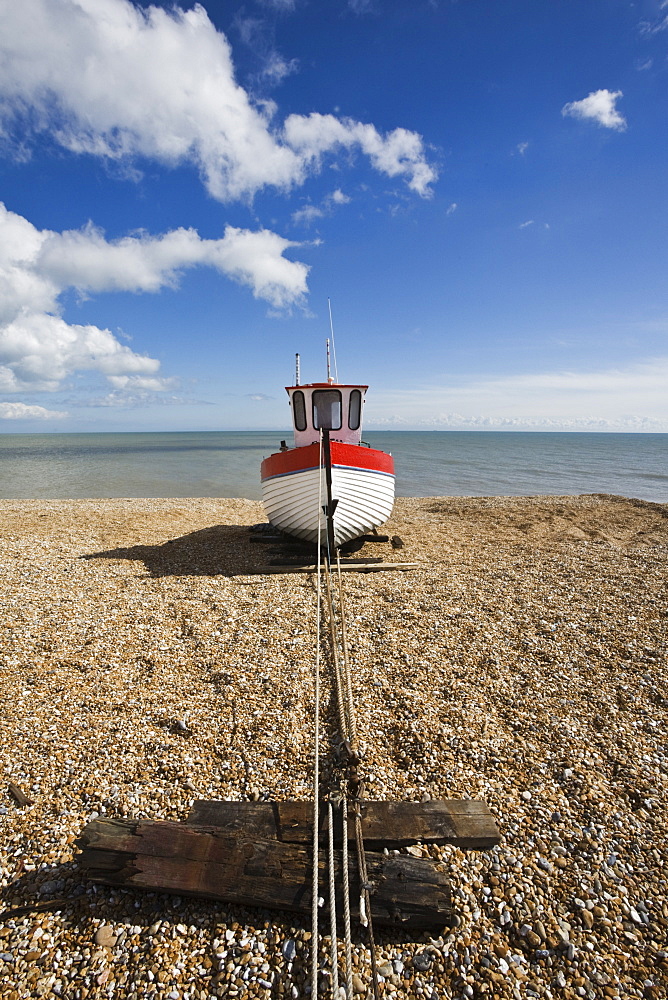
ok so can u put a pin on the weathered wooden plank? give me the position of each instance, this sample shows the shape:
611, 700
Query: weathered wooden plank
255, 819
175, 857
467, 823
347, 568
298, 561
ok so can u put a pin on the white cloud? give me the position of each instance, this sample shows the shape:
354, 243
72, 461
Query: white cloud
142, 383
451, 209
309, 213
631, 398
656, 26
258, 35
523, 225
306, 215
126, 399
339, 198
399, 153
22, 411
276, 68
73, 69
38, 349
522, 148
600, 107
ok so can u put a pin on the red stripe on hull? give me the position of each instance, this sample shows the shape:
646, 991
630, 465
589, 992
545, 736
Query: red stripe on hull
354, 456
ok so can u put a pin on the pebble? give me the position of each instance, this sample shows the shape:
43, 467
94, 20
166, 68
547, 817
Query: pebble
105, 936
289, 949
520, 663
422, 961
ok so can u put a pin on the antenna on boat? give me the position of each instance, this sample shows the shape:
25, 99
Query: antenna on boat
329, 370
331, 330
297, 371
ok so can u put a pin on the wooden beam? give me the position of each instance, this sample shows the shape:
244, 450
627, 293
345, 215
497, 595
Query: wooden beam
250, 871
345, 568
467, 823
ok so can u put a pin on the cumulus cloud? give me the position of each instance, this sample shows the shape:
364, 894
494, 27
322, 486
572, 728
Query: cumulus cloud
22, 411
38, 349
399, 153
73, 69
599, 107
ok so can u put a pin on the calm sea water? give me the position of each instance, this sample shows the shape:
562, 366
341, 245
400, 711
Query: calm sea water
428, 463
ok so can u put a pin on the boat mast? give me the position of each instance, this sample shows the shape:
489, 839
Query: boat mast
297, 370
331, 330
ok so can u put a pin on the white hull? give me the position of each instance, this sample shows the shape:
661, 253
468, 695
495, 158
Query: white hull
293, 502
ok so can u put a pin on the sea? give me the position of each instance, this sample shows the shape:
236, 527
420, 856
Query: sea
428, 463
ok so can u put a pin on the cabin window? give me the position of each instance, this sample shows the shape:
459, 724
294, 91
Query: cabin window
299, 410
355, 410
327, 409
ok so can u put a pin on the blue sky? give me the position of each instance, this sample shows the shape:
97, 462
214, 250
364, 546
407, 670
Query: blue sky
478, 187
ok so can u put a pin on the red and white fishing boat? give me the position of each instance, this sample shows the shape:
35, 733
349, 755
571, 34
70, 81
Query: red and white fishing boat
330, 486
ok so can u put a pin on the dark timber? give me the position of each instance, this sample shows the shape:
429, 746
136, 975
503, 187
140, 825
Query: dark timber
258, 854
467, 823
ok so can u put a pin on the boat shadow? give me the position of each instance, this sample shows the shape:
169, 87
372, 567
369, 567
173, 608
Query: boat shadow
220, 550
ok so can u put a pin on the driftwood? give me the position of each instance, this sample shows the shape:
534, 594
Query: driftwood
467, 823
251, 871
19, 795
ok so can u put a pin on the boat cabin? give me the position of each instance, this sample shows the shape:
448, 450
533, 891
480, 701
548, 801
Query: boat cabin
326, 406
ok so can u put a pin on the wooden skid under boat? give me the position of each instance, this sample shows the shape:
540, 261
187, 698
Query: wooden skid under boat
257, 854
294, 490
468, 823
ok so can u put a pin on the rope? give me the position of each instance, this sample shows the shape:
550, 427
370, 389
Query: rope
365, 897
343, 721
332, 903
316, 762
352, 722
346, 902
348, 730
365, 901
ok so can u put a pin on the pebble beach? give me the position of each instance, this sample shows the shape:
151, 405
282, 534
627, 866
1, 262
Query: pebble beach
145, 663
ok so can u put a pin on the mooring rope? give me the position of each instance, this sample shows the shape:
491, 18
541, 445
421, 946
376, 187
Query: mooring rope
351, 793
316, 761
354, 792
352, 722
334, 945
346, 901
340, 704
365, 901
